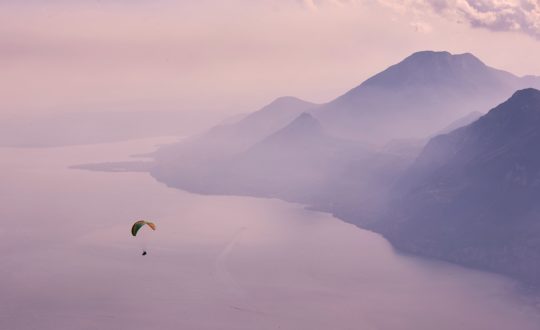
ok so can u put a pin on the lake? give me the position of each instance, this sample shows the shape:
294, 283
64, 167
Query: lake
69, 260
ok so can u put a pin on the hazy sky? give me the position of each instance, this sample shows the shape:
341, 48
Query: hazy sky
236, 55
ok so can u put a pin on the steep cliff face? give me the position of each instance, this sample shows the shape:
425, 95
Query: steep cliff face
473, 195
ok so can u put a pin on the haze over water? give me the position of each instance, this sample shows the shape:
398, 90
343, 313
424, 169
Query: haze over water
69, 261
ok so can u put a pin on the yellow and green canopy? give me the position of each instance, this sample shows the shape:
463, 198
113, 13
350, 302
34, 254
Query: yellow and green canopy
139, 224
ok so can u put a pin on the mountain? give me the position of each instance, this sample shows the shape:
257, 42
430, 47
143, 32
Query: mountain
224, 140
296, 155
303, 132
412, 99
294, 162
259, 124
418, 97
300, 162
472, 196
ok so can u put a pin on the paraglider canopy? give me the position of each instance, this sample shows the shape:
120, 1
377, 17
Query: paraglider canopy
139, 224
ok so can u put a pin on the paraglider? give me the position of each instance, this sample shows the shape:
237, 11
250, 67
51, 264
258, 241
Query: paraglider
138, 225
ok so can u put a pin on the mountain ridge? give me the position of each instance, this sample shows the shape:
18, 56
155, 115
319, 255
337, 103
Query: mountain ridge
471, 195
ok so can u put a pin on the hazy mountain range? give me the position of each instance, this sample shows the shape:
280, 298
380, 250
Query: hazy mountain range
397, 109
416, 98
468, 197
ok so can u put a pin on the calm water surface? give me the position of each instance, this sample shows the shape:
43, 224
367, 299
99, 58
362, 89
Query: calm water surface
68, 260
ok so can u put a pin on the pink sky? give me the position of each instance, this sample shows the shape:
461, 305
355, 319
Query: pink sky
238, 55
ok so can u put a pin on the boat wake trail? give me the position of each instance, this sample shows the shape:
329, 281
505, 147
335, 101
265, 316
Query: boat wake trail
220, 266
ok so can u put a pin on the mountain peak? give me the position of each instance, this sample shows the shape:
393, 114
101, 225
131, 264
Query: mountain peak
428, 68
304, 129
287, 101
303, 123
522, 104
430, 55
426, 54
531, 94
305, 116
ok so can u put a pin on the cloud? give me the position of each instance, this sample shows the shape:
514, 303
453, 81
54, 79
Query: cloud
496, 15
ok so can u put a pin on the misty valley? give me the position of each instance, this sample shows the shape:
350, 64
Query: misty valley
413, 153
